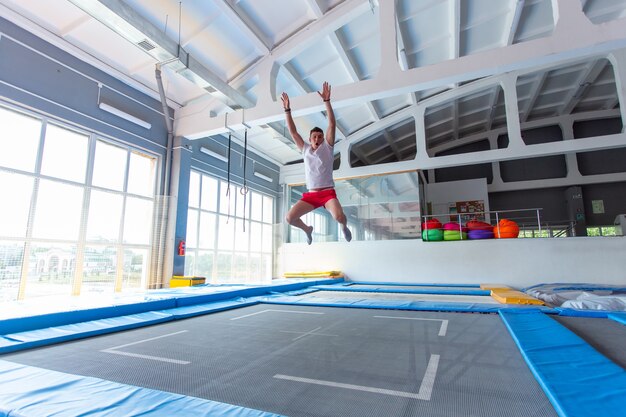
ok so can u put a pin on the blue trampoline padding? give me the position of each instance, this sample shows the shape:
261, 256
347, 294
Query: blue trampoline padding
22, 324
31, 391
412, 284
402, 305
57, 334
572, 312
183, 297
200, 309
578, 380
417, 290
250, 292
618, 317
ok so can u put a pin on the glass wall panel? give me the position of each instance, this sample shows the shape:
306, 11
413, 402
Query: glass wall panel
109, 166
141, 174
65, 154
11, 256
14, 215
192, 228
58, 211
136, 268
105, 214
19, 140
207, 230
138, 221
99, 269
204, 263
219, 248
209, 193
378, 208
43, 199
50, 270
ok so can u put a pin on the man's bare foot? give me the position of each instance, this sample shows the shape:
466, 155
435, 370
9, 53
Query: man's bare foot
309, 235
347, 233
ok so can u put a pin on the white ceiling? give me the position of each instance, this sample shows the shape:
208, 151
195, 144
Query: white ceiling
228, 41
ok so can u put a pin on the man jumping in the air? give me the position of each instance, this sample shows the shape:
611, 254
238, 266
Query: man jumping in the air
318, 170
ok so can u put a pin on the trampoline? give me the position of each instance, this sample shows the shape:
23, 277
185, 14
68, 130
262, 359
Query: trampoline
295, 350
316, 361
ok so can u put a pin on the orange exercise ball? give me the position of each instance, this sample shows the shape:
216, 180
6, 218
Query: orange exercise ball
506, 229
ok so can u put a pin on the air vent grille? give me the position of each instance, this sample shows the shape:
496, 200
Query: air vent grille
145, 44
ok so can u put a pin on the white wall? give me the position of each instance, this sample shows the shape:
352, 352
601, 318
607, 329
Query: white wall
515, 262
440, 195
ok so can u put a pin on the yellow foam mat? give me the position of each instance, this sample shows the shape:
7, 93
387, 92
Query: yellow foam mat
180, 281
494, 287
508, 296
316, 274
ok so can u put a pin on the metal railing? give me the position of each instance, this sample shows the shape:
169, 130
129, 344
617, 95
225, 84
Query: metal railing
523, 217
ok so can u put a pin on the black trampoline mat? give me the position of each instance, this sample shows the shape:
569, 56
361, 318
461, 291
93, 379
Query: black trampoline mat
318, 361
607, 336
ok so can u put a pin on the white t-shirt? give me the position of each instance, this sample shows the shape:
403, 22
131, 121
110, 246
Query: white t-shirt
318, 166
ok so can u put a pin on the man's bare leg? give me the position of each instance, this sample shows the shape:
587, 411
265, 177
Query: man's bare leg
294, 218
335, 209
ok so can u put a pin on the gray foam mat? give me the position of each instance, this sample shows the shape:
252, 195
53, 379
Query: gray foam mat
606, 336
319, 362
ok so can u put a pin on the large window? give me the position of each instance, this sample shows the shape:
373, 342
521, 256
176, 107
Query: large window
229, 232
78, 210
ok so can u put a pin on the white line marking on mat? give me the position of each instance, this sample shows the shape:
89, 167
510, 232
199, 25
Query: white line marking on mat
137, 355
312, 332
154, 358
426, 388
442, 330
424, 393
281, 311
147, 340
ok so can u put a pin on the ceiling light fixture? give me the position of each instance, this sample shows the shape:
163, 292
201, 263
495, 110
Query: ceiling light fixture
214, 154
119, 113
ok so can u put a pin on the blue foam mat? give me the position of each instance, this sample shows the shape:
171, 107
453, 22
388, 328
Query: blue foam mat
618, 317
578, 380
41, 337
417, 290
404, 305
572, 312
30, 391
434, 284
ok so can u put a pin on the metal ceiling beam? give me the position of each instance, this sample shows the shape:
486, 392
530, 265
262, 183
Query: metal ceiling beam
512, 23
573, 37
262, 44
586, 79
404, 61
335, 18
536, 92
455, 46
299, 81
351, 68
315, 8
124, 20
392, 144
493, 101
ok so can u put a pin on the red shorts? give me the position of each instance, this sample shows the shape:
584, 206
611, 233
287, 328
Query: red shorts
319, 198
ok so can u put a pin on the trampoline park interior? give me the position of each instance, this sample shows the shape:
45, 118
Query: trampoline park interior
146, 268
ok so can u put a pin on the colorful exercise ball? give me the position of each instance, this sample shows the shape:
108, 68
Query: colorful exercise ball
432, 235
476, 234
506, 229
454, 235
478, 225
454, 226
431, 224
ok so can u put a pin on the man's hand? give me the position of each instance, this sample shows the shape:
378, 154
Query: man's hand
285, 98
325, 94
